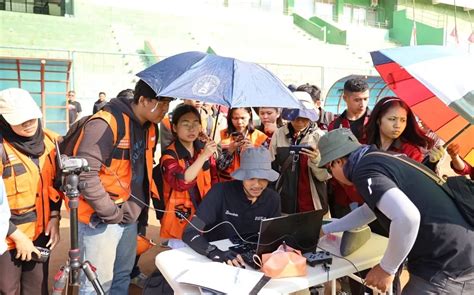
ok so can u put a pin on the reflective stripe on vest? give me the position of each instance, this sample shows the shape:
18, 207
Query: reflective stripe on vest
30, 188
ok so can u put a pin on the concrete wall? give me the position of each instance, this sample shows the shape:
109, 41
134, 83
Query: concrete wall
309, 27
402, 31
334, 35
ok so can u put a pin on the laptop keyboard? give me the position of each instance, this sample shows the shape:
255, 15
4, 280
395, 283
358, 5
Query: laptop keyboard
246, 251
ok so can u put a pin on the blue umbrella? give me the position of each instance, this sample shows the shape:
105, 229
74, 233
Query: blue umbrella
220, 80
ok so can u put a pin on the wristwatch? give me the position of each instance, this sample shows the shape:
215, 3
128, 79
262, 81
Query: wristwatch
209, 249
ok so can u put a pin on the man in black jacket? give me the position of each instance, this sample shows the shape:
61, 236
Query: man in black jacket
242, 203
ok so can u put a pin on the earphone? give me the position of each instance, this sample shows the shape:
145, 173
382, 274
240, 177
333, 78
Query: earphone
156, 106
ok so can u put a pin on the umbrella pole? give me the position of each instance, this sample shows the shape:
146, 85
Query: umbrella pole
215, 124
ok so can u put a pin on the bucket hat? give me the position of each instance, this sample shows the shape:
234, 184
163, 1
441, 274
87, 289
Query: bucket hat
17, 106
255, 162
336, 144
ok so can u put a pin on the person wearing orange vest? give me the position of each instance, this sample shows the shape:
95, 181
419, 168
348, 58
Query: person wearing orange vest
239, 135
28, 169
189, 170
119, 184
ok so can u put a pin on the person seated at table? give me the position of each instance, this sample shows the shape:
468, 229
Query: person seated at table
242, 202
422, 221
240, 134
188, 169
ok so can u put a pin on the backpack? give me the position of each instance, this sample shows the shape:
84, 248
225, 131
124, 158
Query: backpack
66, 147
459, 188
69, 141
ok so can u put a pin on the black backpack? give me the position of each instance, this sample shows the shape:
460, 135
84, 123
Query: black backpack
66, 147
459, 188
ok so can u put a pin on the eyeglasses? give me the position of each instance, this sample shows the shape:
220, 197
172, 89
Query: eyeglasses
190, 126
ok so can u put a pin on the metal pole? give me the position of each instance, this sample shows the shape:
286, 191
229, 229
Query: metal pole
414, 26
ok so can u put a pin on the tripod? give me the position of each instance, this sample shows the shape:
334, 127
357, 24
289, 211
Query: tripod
70, 272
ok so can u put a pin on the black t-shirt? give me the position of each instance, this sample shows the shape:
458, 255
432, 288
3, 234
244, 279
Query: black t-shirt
445, 240
357, 126
74, 108
226, 201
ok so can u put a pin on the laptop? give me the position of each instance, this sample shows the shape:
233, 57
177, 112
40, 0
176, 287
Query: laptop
299, 230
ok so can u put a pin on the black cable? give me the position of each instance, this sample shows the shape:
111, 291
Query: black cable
186, 219
363, 285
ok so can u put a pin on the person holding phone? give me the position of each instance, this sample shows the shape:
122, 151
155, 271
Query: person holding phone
28, 167
188, 169
239, 135
295, 156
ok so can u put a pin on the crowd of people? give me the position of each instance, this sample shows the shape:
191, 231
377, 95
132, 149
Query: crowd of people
217, 166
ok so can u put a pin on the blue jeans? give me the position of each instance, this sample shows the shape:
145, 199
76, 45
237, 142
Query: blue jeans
440, 284
111, 248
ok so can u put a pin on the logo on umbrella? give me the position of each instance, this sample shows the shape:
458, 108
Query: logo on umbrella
206, 85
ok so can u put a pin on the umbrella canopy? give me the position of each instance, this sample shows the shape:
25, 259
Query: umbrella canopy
438, 84
216, 79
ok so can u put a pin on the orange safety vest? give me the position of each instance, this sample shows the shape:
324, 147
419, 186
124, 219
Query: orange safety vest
256, 137
116, 174
171, 225
166, 122
28, 188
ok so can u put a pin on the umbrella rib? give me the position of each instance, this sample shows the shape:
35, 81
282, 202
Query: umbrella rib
417, 103
456, 135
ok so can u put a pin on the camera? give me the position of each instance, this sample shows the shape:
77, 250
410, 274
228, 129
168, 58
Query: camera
295, 149
237, 136
73, 164
43, 256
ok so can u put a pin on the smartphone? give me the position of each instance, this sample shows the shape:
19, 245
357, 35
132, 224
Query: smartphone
43, 256
297, 148
237, 136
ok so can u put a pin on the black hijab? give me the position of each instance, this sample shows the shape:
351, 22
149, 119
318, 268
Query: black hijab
32, 146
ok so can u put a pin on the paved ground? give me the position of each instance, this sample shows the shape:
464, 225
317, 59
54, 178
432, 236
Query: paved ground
146, 263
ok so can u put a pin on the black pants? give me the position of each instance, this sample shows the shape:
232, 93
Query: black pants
24, 277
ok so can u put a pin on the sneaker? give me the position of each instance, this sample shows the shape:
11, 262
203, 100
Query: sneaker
139, 280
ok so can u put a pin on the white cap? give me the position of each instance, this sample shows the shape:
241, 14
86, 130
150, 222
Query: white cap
305, 99
17, 106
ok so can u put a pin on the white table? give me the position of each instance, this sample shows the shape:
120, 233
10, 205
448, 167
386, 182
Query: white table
172, 263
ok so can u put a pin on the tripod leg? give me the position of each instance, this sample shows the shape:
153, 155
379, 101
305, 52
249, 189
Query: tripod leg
89, 271
60, 280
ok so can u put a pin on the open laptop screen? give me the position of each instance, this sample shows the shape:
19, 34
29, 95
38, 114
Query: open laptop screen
299, 230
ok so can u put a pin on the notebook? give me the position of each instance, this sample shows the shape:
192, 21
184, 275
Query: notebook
222, 278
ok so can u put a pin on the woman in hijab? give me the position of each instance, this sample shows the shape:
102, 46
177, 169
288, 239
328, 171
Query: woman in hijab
28, 170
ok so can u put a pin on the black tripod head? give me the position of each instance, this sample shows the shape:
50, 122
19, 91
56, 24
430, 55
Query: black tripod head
71, 167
